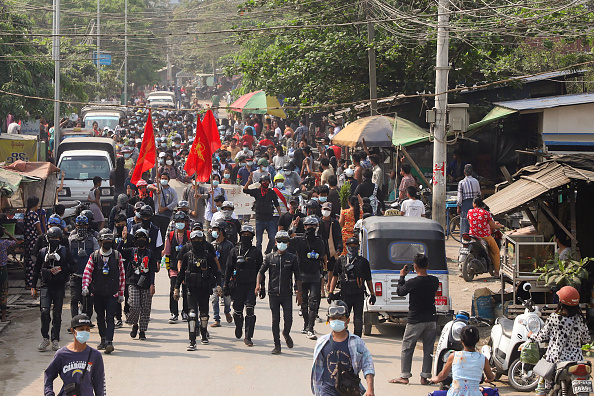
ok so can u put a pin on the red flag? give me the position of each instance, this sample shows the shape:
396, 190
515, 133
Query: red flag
200, 157
212, 131
148, 152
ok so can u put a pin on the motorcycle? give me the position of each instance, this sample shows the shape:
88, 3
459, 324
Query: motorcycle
473, 258
502, 347
449, 342
572, 378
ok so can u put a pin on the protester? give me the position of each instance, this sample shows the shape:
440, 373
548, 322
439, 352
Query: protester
222, 247
412, 207
266, 201
94, 198
348, 218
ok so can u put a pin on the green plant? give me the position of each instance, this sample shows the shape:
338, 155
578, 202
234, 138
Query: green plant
564, 272
344, 194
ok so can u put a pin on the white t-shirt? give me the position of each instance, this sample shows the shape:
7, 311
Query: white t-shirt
218, 216
279, 162
278, 133
413, 207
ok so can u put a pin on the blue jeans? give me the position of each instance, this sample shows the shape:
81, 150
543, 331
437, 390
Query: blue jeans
216, 309
270, 227
466, 206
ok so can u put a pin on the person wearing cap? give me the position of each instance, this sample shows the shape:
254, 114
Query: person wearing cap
266, 201
246, 151
344, 345
283, 194
468, 189
262, 170
292, 178
352, 272
105, 279
131, 221
122, 207
243, 174
78, 365
142, 195
349, 176
217, 196
222, 247
201, 274
282, 268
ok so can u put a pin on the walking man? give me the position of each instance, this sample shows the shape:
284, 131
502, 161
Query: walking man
223, 249
468, 189
82, 244
266, 201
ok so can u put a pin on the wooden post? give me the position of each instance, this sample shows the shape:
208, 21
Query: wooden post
573, 220
556, 220
525, 208
413, 163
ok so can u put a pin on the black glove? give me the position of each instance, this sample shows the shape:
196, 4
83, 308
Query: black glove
262, 293
331, 297
226, 291
372, 299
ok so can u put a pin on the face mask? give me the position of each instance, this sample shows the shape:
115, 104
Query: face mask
126, 156
323, 199
280, 185
197, 245
177, 145
82, 336
180, 226
164, 145
282, 246
215, 234
326, 213
250, 163
352, 250
246, 239
215, 183
227, 176
141, 243
245, 149
54, 244
164, 182
137, 215
227, 214
146, 224
107, 245
337, 325
161, 161
314, 198
169, 162
263, 169
311, 232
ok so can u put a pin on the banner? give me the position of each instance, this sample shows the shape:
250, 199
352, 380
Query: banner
30, 128
17, 149
243, 202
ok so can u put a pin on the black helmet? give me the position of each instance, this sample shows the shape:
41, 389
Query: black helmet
54, 233
312, 204
264, 178
197, 226
338, 308
88, 214
140, 233
220, 224
106, 235
350, 241
146, 211
288, 167
179, 216
310, 220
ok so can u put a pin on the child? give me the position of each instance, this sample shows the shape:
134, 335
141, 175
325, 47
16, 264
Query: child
467, 366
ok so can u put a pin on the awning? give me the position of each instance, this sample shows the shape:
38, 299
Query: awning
406, 133
496, 113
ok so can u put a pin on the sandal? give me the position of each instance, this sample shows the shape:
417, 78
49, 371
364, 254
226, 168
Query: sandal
402, 381
425, 381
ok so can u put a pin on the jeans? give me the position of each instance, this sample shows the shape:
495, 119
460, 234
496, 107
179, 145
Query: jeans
276, 302
311, 292
270, 227
425, 331
466, 206
216, 310
76, 297
105, 307
49, 296
355, 304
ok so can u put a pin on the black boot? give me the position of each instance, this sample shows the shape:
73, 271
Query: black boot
250, 324
238, 325
204, 335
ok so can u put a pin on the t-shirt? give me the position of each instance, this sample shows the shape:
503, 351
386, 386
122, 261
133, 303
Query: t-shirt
421, 300
479, 219
69, 366
331, 352
413, 208
248, 139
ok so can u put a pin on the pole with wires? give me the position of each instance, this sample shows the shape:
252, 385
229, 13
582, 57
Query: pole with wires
98, 48
371, 55
126, 52
56, 56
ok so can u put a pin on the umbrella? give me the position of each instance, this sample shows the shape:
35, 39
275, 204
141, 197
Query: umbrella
376, 130
259, 103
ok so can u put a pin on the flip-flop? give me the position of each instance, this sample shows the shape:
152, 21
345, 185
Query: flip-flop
427, 382
401, 381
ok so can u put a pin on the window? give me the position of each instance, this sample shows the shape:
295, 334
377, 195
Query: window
404, 252
105, 121
85, 167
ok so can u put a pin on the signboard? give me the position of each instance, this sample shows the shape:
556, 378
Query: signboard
243, 202
30, 128
104, 59
18, 149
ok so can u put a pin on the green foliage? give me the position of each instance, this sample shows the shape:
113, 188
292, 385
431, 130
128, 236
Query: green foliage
564, 272
344, 194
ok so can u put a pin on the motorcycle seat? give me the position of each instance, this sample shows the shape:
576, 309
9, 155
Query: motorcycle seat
507, 326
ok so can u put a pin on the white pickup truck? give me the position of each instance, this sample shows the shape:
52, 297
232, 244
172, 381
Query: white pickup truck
82, 159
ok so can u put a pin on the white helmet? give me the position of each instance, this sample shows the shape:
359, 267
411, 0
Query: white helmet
228, 204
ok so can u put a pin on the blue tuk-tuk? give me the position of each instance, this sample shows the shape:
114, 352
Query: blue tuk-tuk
391, 242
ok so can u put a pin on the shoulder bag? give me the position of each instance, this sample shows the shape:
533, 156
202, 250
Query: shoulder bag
347, 382
73, 388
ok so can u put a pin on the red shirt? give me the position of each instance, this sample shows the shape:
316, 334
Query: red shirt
479, 219
266, 142
249, 139
337, 151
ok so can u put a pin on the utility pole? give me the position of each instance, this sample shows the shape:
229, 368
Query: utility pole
371, 55
98, 45
56, 56
126, 52
440, 127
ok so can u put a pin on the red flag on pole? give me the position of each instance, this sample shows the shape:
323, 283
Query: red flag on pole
147, 157
212, 131
200, 157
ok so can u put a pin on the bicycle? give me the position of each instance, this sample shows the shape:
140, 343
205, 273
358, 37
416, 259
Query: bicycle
454, 228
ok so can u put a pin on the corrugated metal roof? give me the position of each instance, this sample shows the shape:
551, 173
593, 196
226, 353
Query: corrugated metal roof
547, 103
552, 75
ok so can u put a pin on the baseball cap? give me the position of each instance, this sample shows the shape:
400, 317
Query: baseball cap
327, 205
80, 320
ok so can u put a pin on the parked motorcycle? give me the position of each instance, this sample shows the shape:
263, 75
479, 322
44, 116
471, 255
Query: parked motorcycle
572, 378
502, 347
473, 258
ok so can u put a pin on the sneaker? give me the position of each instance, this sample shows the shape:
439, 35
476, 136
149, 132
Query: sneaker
248, 342
118, 324
134, 331
184, 316
192, 346
304, 330
173, 319
229, 317
204, 341
141, 336
276, 350
55, 345
217, 323
288, 340
311, 335
44, 344
109, 348
101, 345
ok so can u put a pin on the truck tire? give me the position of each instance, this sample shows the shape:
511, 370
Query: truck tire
467, 272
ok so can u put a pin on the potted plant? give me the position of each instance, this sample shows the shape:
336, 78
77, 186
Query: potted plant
344, 194
564, 272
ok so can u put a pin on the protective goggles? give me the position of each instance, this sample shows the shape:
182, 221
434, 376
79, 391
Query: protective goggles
338, 310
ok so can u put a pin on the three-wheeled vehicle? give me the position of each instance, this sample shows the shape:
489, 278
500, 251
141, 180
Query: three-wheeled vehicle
390, 243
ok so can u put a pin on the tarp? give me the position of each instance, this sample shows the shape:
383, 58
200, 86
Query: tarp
10, 181
41, 170
376, 130
407, 133
496, 113
258, 102
18, 147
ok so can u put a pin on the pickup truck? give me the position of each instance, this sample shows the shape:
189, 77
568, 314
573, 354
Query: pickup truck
105, 116
81, 159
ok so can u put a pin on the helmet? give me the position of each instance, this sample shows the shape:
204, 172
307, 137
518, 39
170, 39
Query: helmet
220, 224
54, 233
288, 167
197, 226
247, 228
140, 233
228, 204
349, 172
310, 220
141, 183
311, 204
81, 220
183, 204
54, 220
88, 214
106, 235
279, 177
264, 178
146, 211
338, 308
262, 162
350, 241
282, 236
196, 234
180, 216
569, 295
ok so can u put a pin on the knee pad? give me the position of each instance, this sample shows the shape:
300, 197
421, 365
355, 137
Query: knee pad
315, 304
192, 315
204, 321
249, 310
45, 311
238, 314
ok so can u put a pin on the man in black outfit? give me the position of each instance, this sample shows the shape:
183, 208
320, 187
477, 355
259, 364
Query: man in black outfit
282, 266
353, 272
223, 248
266, 201
422, 318
332, 234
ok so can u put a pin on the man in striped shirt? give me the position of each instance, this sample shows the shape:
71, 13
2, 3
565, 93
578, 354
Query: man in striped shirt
468, 189
104, 276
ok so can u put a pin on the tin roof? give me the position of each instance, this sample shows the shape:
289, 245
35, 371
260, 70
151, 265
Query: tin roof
548, 102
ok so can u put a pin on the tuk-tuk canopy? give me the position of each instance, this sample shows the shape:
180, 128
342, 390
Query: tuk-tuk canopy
391, 242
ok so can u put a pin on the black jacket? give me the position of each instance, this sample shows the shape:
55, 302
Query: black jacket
336, 235
223, 251
140, 262
310, 268
204, 276
42, 268
352, 274
243, 272
264, 205
282, 268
